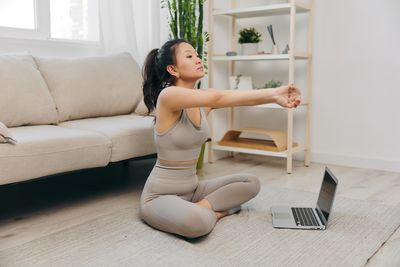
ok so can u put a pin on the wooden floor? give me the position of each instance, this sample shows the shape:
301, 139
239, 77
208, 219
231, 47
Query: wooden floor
37, 208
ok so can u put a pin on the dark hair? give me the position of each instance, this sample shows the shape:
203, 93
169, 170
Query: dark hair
155, 74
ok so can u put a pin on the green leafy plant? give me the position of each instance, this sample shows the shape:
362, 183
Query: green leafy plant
186, 21
249, 35
273, 84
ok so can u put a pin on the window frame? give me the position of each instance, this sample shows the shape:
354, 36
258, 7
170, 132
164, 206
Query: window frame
42, 30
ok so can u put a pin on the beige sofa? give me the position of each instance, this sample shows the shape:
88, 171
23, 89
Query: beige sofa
70, 114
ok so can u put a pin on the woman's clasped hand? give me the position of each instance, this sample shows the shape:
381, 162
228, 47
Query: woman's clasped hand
288, 96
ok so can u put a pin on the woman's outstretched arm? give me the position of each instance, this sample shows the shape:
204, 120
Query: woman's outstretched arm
178, 98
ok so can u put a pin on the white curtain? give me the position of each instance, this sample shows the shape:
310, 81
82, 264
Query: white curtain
130, 25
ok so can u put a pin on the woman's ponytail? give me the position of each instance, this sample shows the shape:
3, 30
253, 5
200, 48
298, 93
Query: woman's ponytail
151, 80
155, 74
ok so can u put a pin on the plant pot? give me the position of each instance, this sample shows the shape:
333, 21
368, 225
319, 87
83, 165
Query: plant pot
249, 48
200, 160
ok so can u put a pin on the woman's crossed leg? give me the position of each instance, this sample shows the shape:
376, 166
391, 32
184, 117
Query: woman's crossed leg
210, 201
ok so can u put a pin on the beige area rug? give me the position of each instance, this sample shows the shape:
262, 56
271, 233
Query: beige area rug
356, 231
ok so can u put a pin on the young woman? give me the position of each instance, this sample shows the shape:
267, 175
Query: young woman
173, 200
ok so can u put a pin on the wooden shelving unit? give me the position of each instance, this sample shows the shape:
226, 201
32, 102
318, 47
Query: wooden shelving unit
291, 9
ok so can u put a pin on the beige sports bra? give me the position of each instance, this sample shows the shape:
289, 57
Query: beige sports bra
183, 140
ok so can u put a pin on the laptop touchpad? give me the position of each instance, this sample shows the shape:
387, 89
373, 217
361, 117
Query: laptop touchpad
282, 215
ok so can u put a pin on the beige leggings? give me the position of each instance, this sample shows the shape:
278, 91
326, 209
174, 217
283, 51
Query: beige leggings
169, 195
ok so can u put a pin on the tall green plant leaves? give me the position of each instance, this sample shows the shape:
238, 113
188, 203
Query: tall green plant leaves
199, 37
172, 7
186, 21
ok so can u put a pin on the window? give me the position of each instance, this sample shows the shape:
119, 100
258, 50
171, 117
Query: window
76, 20
17, 14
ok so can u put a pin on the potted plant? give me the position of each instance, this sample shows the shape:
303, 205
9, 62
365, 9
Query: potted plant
249, 39
273, 84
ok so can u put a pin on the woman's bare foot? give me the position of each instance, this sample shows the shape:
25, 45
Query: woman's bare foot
221, 214
206, 204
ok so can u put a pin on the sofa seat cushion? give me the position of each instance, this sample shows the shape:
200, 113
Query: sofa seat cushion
93, 86
24, 96
46, 149
131, 135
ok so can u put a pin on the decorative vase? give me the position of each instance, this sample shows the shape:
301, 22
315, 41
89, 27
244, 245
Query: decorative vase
249, 48
275, 49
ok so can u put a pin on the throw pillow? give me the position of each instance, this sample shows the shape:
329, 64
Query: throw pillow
5, 135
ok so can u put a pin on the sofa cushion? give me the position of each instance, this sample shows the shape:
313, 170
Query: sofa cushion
141, 109
48, 149
131, 135
24, 96
92, 87
5, 135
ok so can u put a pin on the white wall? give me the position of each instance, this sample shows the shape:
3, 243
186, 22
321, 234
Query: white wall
356, 93
356, 110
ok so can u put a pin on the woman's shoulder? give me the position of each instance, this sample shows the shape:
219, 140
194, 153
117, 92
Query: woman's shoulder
170, 88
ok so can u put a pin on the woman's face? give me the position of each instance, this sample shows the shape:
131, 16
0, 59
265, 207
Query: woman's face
188, 64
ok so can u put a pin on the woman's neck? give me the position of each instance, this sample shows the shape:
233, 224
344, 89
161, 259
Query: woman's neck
186, 84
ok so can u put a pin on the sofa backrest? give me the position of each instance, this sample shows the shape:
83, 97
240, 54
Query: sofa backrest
93, 86
24, 96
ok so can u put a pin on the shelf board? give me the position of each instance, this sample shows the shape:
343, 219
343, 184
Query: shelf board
282, 154
261, 11
259, 57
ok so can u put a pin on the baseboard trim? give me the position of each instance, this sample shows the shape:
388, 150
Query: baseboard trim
339, 159
356, 161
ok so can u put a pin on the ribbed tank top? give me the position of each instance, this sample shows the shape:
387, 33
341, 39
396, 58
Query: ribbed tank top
183, 140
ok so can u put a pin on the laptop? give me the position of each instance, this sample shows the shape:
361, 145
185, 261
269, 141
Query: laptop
306, 217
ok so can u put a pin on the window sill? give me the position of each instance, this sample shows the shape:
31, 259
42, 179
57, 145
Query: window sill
76, 43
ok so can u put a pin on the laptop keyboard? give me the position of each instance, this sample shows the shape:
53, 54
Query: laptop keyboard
304, 217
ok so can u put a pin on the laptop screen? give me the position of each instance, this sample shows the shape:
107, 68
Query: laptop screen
327, 193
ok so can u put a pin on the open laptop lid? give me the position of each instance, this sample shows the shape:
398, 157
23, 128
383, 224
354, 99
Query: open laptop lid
326, 195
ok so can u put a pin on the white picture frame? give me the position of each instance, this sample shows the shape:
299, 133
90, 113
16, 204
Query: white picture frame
240, 82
